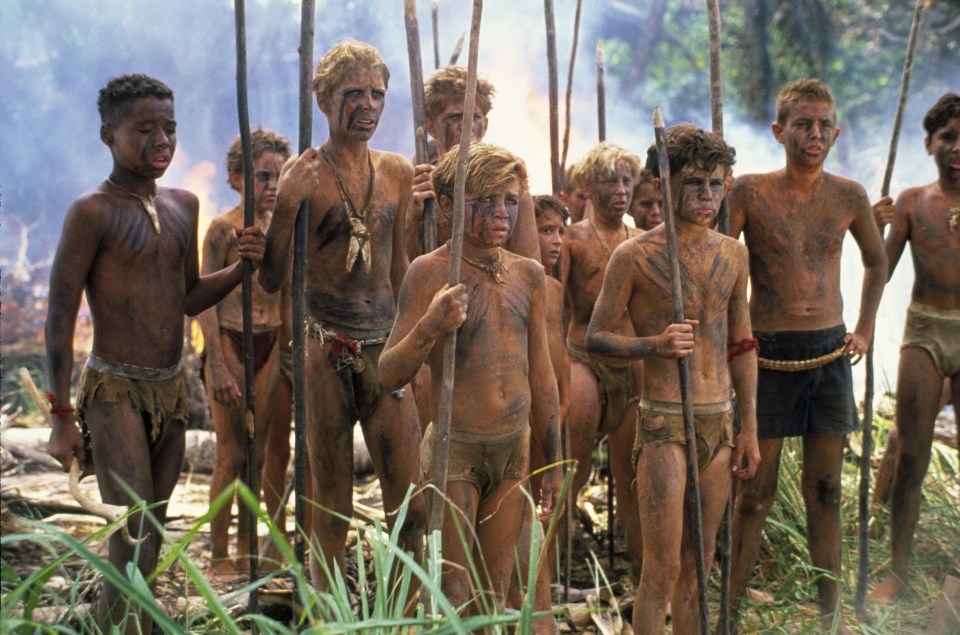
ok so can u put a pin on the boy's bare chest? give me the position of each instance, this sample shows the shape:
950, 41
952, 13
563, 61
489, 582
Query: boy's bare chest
130, 239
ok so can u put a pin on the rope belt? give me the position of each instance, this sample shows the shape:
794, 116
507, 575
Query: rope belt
795, 366
345, 351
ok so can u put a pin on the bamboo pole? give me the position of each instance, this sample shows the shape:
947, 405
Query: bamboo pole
435, 21
555, 176
693, 476
442, 429
573, 56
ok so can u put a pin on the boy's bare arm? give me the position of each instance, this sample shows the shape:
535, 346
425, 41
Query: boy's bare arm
865, 232
899, 229
223, 385
399, 261
421, 320
298, 179
736, 204
544, 398
79, 243
204, 292
743, 373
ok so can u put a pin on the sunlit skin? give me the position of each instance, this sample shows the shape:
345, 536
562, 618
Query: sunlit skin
583, 260
645, 207
224, 366
504, 377
139, 285
355, 303
577, 202
921, 217
714, 277
794, 221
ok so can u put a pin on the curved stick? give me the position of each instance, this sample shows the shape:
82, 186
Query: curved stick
110, 513
695, 508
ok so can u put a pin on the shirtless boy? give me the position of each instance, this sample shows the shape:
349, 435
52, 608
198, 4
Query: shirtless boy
603, 391
645, 204
443, 94
714, 279
504, 383
929, 218
222, 328
355, 263
794, 221
132, 246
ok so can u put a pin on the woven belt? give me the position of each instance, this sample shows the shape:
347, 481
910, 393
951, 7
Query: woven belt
795, 366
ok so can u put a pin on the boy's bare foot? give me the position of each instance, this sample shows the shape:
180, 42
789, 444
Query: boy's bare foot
761, 597
222, 571
889, 590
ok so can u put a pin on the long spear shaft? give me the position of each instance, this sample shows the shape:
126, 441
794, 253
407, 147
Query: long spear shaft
554, 96
686, 398
247, 300
307, 17
435, 21
573, 56
428, 224
601, 95
442, 431
723, 226
863, 569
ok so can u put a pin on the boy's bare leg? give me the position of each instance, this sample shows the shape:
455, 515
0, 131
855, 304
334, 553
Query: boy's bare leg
714, 492
755, 498
275, 463
661, 483
499, 519
584, 420
918, 401
820, 482
121, 453
628, 513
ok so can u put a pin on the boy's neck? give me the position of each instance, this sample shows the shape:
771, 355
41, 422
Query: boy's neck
134, 183
949, 187
345, 149
801, 176
480, 253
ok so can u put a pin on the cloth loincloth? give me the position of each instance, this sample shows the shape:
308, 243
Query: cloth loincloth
617, 383
713, 426
937, 331
263, 343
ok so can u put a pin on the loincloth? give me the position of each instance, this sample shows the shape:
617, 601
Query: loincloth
159, 395
357, 362
263, 343
713, 427
937, 331
483, 460
813, 401
617, 383
286, 364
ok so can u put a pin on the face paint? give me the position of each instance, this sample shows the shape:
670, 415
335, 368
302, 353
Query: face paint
489, 220
611, 194
699, 194
360, 100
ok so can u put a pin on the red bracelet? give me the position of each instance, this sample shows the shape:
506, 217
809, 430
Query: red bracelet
735, 349
58, 411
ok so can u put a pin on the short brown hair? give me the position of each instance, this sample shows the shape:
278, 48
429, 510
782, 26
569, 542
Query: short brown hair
946, 108
260, 141
688, 144
543, 202
337, 63
802, 89
449, 84
488, 167
601, 161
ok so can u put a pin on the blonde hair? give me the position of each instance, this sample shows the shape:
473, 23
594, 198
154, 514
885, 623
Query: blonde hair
449, 84
488, 168
340, 60
799, 90
602, 161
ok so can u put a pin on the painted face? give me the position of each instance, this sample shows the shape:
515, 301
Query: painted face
266, 177
355, 107
145, 139
550, 232
697, 194
489, 220
645, 207
808, 132
944, 147
611, 194
446, 127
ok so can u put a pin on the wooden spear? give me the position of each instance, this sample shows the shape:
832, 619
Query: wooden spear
434, 19
723, 226
573, 56
442, 430
253, 478
554, 96
456, 51
693, 476
307, 17
428, 223
601, 96
863, 569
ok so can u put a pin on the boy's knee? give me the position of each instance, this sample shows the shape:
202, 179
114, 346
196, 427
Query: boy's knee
755, 501
823, 491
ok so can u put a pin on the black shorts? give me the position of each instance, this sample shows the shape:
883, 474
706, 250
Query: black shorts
815, 401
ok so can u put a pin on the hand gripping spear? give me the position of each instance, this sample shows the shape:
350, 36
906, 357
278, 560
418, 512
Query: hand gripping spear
248, 370
442, 431
863, 570
428, 224
307, 16
693, 476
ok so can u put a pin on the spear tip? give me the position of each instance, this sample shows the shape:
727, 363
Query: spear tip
433, 6
600, 51
657, 117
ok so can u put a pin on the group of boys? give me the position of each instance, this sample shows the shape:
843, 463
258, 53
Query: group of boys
576, 326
